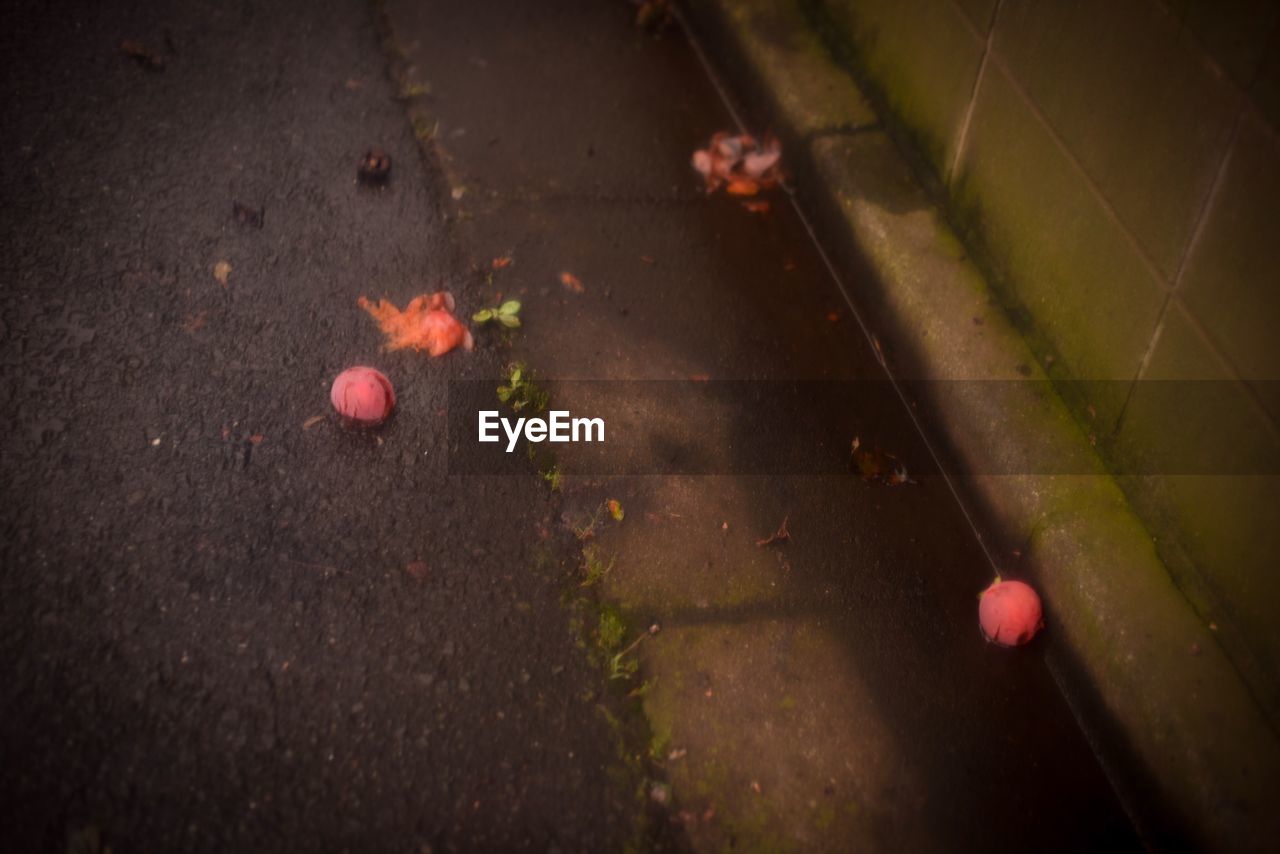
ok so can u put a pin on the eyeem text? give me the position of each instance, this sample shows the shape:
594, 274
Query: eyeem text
559, 426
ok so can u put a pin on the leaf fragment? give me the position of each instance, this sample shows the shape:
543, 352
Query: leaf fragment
778, 536
139, 53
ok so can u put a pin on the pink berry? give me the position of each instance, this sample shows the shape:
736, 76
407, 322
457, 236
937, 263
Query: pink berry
1009, 612
363, 396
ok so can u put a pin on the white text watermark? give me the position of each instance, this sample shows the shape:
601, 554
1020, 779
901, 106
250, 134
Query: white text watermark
558, 427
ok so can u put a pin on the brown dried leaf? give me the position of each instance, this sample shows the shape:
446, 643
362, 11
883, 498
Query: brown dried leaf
136, 51
778, 536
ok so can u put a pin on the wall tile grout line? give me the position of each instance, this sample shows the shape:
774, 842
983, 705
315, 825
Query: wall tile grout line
1211, 63
1246, 106
1251, 393
1107, 207
1206, 205
1197, 232
963, 134
1193, 241
1175, 294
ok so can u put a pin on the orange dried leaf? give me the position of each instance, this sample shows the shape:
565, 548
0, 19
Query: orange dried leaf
426, 323
502, 263
572, 282
742, 187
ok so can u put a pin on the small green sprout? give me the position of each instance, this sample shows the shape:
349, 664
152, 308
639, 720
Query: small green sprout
424, 129
520, 390
508, 314
552, 476
595, 569
408, 90
610, 632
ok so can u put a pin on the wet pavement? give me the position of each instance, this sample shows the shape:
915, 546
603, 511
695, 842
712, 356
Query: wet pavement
229, 626
832, 691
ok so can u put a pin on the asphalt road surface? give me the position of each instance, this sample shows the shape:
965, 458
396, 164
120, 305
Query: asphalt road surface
210, 638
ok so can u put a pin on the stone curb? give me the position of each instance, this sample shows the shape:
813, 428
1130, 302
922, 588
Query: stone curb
1180, 735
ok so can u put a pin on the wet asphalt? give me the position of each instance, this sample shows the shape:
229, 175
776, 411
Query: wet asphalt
229, 626
210, 638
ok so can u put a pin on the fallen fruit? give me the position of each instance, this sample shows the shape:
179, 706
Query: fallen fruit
427, 323
374, 167
363, 396
246, 215
1009, 613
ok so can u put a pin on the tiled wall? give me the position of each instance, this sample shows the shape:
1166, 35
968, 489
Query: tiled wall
1116, 165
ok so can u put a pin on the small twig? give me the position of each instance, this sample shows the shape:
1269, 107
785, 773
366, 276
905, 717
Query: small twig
320, 566
779, 535
616, 662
